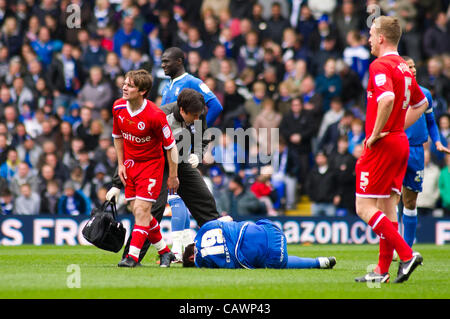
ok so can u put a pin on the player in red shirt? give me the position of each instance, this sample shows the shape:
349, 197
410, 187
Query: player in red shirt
140, 132
382, 166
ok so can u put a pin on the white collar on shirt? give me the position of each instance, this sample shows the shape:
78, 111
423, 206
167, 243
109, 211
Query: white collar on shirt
178, 78
391, 52
139, 110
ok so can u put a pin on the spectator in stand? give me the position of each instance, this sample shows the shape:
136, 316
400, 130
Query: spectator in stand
9, 168
44, 47
127, 34
436, 39
324, 31
328, 142
95, 93
14, 70
297, 129
10, 118
219, 55
333, 115
95, 54
343, 163
112, 67
6, 202
195, 43
329, 84
240, 202
428, 198
70, 157
28, 202
265, 122
82, 128
352, 88
33, 74
435, 81
49, 198
356, 134
444, 186
250, 54
357, 56
65, 77
61, 171
294, 79
264, 191
73, 202
11, 36
29, 151
166, 28
100, 180
276, 24
285, 176
321, 187
253, 105
24, 176
347, 19
233, 114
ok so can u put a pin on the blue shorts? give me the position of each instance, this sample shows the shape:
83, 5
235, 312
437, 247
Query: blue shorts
414, 173
277, 255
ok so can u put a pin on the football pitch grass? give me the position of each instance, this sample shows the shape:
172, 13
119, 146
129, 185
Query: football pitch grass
66, 272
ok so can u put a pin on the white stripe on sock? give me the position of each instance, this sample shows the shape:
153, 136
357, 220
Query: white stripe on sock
378, 220
410, 212
134, 251
160, 245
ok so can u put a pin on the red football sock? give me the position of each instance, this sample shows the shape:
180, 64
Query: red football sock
155, 237
138, 237
384, 228
386, 254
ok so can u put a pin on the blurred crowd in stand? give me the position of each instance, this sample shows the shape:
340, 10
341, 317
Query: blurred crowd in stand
297, 66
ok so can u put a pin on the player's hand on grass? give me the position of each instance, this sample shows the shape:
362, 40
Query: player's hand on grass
374, 138
442, 148
172, 184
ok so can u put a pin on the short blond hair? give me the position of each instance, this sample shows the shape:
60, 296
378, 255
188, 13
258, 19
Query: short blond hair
389, 27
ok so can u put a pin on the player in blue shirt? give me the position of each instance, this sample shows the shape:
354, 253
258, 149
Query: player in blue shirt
172, 62
412, 183
228, 244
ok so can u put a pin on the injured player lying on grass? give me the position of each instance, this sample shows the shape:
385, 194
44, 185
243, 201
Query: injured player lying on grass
224, 243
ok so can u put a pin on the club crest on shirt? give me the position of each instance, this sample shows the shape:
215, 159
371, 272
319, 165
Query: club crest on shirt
141, 126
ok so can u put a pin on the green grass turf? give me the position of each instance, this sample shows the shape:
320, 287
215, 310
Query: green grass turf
42, 272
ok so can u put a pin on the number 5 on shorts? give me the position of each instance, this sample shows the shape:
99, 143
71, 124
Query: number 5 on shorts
152, 182
364, 180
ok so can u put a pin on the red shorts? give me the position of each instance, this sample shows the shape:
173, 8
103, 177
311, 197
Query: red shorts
144, 179
381, 170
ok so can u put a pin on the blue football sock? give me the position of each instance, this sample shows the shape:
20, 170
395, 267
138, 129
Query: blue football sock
179, 214
302, 263
409, 225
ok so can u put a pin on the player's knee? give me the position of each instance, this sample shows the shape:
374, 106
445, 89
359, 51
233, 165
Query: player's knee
141, 212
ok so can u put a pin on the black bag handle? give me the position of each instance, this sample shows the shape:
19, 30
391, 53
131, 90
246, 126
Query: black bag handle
113, 206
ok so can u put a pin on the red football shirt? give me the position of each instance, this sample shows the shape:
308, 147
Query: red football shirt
144, 131
390, 75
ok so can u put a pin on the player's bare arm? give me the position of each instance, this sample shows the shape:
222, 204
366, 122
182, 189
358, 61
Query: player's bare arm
118, 144
414, 113
385, 106
172, 181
